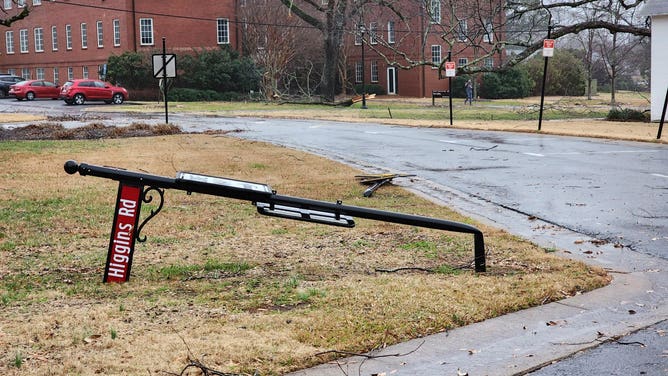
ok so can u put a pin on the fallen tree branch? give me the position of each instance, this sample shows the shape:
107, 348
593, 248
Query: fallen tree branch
369, 356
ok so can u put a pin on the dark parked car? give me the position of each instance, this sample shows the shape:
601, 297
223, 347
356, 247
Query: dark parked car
7, 80
32, 89
80, 91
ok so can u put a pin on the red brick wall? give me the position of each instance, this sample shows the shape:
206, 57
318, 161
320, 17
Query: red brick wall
184, 24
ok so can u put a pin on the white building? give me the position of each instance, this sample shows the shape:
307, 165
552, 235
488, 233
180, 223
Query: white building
658, 10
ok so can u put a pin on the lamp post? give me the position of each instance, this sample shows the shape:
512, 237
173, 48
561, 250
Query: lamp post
364, 107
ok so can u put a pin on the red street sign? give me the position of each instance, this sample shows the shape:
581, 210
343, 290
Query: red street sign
450, 69
548, 47
123, 233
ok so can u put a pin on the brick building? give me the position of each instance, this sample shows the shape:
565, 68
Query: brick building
428, 31
66, 39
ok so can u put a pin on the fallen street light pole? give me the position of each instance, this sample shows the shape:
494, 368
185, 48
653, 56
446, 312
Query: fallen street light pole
136, 188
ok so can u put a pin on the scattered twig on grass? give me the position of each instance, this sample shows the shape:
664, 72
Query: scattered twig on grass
369, 356
196, 363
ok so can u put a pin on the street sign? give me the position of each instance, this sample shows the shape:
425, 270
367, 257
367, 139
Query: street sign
548, 48
450, 69
160, 71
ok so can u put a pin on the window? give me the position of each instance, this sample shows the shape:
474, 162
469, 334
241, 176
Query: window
11, 71
39, 39
359, 35
9, 41
117, 33
25, 73
84, 36
435, 11
146, 31
436, 54
23, 40
68, 36
462, 30
37, 2
489, 62
8, 4
70, 73
100, 34
462, 61
223, 30
489, 32
21, 4
56, 75
359, 72
39, 73
374, 71
84, 72
373, 29
54, 38
390, 32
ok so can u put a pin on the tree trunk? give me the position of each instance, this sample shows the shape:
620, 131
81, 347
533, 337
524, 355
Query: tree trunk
335, 25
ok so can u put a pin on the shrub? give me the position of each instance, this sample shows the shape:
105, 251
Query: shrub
627, 114
370, 89
565, 74
196, 95
511, 83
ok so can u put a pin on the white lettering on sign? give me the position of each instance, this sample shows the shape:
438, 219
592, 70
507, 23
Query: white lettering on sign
121, 245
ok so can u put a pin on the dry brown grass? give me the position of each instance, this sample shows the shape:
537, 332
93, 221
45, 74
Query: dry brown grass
308, 288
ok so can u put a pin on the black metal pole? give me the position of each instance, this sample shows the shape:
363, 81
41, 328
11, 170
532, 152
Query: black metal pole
164, 79
542, 90
450, 88
363, 69
663, 116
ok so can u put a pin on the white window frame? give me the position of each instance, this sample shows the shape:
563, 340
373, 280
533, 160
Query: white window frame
391, 33
84, 72
84, 36
435, 11
25, 73
462, 61
37, 2
39, 39
489, 32
68, 37
374, 71
359, 72
70, 73
54, 38
56, 75
222, 30
462, 30
146, 32
100, 34
9, 41
359, 34
21, 4
39, 73
436, 55
23, 41
373, 33
489, 62
8, 4
117, 32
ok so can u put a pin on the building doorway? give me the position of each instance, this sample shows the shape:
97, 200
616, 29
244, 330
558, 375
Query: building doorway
391, 80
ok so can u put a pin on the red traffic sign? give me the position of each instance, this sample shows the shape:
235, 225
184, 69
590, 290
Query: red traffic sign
450, 69
548, 47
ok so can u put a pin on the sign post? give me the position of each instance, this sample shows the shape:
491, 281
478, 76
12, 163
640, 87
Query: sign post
164, 67
450, 71
548, 51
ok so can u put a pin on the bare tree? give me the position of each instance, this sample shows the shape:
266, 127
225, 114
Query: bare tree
482, 26
19, 11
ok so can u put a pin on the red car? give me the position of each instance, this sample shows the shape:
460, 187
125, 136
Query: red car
80, 91
32, 89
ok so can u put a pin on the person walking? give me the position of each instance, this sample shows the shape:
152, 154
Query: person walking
469, 92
